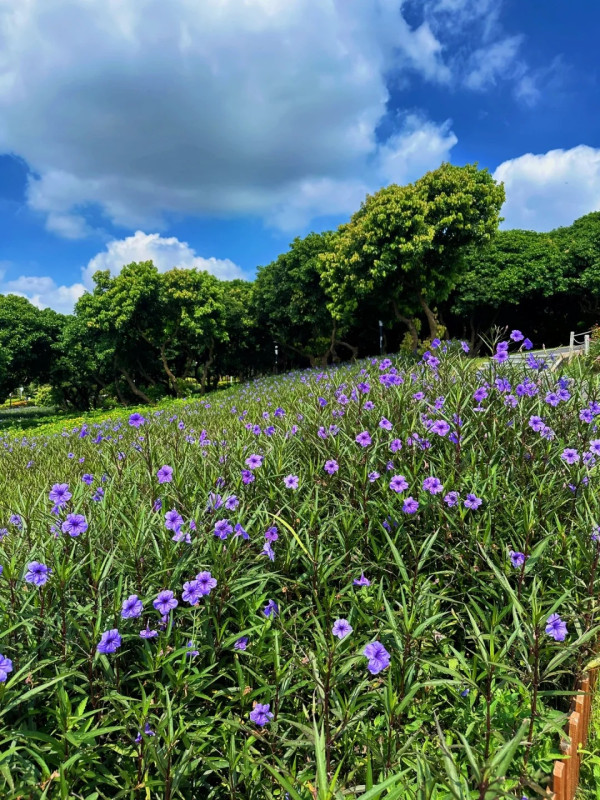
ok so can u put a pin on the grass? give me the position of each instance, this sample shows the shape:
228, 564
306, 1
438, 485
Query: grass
446, 538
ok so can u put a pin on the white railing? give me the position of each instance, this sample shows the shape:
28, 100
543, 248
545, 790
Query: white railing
579, 341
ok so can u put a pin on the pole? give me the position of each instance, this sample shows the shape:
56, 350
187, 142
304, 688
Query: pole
276, 357
571, 342
586, 344
380, 338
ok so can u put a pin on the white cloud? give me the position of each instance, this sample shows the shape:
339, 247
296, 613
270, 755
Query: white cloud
165, 253
43, 292
418, 146
143, 108
552, 189
493, 63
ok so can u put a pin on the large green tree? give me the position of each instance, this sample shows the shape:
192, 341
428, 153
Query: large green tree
405, 246
292, 305
27, 336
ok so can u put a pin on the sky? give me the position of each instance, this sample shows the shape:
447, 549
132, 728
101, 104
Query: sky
211, 133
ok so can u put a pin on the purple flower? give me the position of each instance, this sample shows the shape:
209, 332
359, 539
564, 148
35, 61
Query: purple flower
165, 602
501, 356
373, 477
378, 656
480, 394
536, 424
147, 633
362, 581
191, 592
74, 524
239, 531
556, 628
516, 559
472, 501
88, 479
190, 650
165, 474
247, 476
173, 520
395, 445
331, 466
132, 607
291, 481
223, 528
37, 573
451, 499
260, 714
364, 439
254, 461
109, 642
241, 643
341, 628
440, 426
570, 455
271, 534
398, 483
206, 582
5, 667
232, 503
516, 336
410, 505
268, 551
15, 520
135, 420
60, 494
527, 344
385, 424
271, 609
433, 485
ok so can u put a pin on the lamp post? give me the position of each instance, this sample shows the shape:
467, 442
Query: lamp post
380, 338
276, 357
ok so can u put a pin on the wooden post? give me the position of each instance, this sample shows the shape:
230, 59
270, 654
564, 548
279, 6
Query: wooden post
571, 342
586, 344
565, 776
558, 780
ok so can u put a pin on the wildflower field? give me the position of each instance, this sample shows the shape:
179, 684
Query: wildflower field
375, 580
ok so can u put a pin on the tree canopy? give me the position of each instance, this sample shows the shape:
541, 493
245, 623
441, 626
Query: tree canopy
405, 246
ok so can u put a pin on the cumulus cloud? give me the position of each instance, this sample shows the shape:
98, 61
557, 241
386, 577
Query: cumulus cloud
43, 292
419, 145
142, 109
552, 189
165, 253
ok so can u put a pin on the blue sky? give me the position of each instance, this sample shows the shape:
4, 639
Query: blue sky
210, 134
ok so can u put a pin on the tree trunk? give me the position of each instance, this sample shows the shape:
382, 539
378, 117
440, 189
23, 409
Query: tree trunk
137, 392
410, 324
167, 369
431, 318
353, 350
207, 365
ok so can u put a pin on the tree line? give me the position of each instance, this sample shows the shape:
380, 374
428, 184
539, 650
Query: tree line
415, 261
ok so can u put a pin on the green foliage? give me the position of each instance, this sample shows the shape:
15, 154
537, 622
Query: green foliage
27, 336
476, 692
406, 244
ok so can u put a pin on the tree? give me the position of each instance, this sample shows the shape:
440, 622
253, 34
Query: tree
405, 246
291, 302
27, 335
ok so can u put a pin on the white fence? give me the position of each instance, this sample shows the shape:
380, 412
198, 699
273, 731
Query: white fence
579, 341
